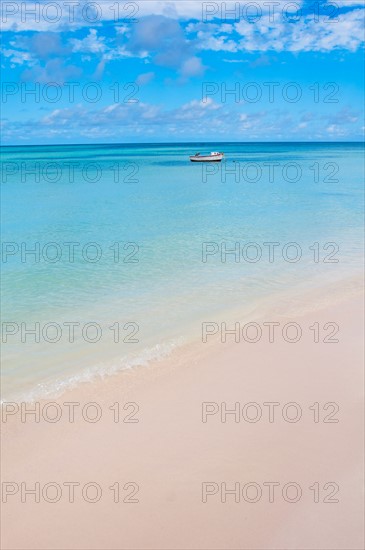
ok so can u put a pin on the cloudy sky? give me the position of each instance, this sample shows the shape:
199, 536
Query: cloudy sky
265, 70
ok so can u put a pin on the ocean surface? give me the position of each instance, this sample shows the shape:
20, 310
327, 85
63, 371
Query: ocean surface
113, 255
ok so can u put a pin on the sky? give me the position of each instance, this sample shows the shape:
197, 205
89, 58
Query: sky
75, 71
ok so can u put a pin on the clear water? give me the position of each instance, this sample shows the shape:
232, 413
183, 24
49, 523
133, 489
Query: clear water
152, 196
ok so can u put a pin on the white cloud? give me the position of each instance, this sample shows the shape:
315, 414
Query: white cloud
200, 105
304, 35
90, 44
190, 120
58, 14
349, 3
219, 43
145, 78
18, 57
336, 131
269, 32
344, 116
192, 67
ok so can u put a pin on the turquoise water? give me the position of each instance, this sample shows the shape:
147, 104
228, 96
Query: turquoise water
160, 208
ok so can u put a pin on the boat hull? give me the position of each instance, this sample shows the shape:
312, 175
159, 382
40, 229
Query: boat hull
207, 158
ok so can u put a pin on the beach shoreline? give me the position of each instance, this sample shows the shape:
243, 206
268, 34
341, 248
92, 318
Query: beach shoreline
280, 305
161, 435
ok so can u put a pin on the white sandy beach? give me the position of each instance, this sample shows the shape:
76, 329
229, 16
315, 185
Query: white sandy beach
170, 452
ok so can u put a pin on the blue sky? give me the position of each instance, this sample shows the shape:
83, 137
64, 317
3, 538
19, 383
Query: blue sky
182, 71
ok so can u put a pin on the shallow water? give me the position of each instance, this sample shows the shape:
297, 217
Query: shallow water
148, 210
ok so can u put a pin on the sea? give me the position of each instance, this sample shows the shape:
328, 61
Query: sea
113, 256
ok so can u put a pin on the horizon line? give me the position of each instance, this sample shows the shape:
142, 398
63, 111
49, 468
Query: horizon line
362, 141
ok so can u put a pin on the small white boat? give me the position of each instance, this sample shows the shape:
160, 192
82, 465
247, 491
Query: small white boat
213, 157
